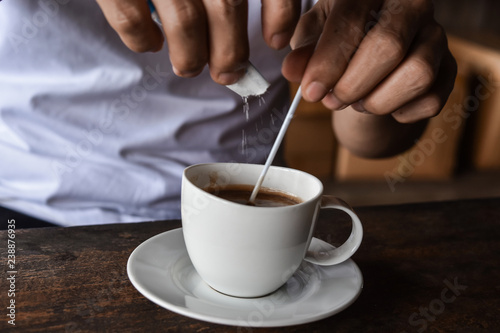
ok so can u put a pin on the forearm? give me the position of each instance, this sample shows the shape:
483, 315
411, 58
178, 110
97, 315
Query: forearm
373, 136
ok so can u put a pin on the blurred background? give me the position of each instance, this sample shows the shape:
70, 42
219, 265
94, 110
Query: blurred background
459, 155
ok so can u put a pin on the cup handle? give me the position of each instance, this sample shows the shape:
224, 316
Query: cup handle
325, 254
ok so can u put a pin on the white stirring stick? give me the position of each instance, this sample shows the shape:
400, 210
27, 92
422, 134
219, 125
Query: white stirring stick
276, 145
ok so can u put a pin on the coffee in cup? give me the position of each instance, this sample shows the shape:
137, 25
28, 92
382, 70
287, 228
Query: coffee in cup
250, 251
266, 197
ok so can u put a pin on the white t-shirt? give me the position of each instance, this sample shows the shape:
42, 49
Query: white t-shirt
91, 132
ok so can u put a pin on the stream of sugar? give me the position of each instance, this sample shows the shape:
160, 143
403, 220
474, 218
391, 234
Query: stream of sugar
246, 112
246, 107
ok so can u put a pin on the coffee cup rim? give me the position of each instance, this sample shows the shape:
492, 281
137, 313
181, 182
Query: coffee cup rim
284, 168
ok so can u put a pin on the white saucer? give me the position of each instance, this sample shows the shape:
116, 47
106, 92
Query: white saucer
160, 269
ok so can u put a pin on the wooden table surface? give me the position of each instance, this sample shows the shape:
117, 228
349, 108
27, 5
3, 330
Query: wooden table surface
430, 267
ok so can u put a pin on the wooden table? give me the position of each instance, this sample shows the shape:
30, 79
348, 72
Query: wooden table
430, 267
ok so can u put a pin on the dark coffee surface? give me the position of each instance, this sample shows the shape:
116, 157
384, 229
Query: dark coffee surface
265, 198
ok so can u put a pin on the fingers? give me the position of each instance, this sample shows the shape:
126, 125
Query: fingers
381, 51
228, 39
379, 56
206, 31
339, 28
431, 103
357, 46
132, 21
279, 18
185, 24
303, 43
412, 79
198, 32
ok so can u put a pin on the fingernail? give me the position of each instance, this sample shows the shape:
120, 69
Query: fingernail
176, 71
358, 106
279, 40
186, 73
333, 103
316, 91
229, 78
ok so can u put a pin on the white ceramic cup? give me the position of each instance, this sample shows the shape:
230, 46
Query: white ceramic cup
248, 251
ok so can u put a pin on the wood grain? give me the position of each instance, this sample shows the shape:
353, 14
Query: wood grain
75, 280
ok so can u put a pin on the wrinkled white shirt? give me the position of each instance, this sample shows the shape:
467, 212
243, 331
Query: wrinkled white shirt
91, 132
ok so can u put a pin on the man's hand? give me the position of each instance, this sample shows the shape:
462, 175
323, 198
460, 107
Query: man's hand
380, 56
201, 32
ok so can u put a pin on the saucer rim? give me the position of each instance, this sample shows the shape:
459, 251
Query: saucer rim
269, 322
